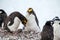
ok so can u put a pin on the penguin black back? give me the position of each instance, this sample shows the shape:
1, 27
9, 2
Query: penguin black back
47, 32
31, 11
3, 16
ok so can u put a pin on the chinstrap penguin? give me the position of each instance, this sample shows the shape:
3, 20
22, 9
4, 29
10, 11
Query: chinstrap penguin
56, 26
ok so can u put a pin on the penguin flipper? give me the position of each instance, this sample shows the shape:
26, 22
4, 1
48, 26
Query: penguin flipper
37, 21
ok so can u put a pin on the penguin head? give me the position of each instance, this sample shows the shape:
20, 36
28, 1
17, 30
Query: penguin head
55, 18
30, 10
24, 22
50, 22
2, 11
56, 22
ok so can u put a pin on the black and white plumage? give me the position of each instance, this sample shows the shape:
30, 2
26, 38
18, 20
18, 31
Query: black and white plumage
55, 18
56, 26
47, 32
3, 16
31, 11
12, 22
32, 23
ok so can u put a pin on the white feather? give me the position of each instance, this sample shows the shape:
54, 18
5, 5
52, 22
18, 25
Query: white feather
15, 25
2, 25
0, 11
31, 24
56, 26
21, 26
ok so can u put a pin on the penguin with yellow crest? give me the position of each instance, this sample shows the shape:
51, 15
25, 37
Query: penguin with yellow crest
32, 23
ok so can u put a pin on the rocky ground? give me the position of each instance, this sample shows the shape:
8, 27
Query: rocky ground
19, 36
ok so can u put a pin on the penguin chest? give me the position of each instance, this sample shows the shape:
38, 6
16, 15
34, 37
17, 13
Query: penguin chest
56, 30
15, 24
31, 24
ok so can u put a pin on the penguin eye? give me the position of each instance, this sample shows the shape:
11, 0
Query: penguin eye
59, 23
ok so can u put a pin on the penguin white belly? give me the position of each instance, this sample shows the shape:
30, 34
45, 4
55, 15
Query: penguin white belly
21, 26
31, 24
15, 25
56, 31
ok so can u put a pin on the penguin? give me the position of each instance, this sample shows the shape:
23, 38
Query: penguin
32, 23
47, 31
56, 26
12, 22
3, 16
31, 11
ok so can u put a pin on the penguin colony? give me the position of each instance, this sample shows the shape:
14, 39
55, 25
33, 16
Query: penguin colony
50, 31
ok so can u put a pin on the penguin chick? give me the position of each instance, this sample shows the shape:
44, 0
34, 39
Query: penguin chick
47, 32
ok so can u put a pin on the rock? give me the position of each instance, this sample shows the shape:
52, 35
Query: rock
20, 36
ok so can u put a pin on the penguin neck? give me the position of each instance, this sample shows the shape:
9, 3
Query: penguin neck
29, 14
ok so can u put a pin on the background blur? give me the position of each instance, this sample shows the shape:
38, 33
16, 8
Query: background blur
44, 9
